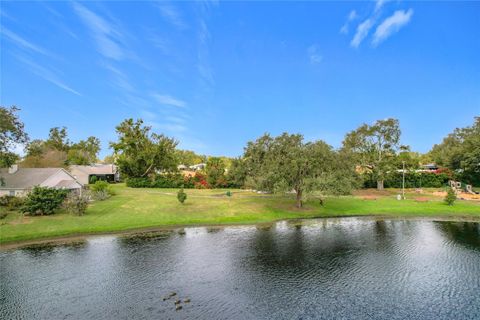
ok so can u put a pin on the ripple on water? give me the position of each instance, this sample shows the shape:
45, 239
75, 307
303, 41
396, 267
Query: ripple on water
333, 268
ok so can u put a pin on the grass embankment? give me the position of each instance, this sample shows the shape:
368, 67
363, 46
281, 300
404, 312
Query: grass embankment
142, 208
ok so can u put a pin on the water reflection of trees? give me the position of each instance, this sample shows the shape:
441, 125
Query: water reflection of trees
318, 253
48, 248
466, 234
300, 268
322, 252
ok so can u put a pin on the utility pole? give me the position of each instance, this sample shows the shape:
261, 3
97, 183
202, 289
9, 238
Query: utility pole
403, 181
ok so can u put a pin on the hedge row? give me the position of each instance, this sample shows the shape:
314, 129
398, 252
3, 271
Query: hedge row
163, 181
412, 180
174, 181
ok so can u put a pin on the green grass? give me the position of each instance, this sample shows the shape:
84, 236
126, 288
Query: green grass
141, 208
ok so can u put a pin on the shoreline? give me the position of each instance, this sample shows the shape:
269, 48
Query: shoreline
77, 237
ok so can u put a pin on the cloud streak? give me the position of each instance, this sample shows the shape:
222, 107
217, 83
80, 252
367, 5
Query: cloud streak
171, 14
362, 32
313, 54
107, 37
120, 79
391, 25
21, 42
172, 124
351, 16
47, 75
203, 65
379, 4
168, 100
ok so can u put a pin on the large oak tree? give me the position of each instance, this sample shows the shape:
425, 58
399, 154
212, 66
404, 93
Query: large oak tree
287, 163
140, 152
375, 147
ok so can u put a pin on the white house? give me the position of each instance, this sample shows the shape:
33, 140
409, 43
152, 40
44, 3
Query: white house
198, 167
107, 172
16, 181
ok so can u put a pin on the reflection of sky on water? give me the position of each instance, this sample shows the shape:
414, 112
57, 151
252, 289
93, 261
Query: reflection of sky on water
354, 268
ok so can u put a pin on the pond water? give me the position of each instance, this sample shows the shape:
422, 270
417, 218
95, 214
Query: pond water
318, 269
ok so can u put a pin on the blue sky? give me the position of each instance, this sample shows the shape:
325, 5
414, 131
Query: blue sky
218, 74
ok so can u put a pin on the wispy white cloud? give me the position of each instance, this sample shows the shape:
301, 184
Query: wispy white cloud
391, 25
351, 16
168, 100
203, 56
47, 75
169, 124
107, 37
21, 42
172, 15
379, 4
6, 15
147, 115
314, 55
131, 100
362, 32
175, 119
51, 10
203, 52
171, 127
160, 43
120, 79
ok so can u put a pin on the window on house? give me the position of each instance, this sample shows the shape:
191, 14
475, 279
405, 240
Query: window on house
12, 193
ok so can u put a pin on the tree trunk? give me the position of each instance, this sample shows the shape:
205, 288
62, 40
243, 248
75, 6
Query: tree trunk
148, 170
379, 184
299, 198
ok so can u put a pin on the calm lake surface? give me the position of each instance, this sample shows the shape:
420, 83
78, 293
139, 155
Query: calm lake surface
329, 269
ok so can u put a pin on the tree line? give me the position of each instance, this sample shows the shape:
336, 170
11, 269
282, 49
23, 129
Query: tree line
285, 163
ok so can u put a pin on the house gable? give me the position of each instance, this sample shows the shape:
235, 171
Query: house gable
57, 177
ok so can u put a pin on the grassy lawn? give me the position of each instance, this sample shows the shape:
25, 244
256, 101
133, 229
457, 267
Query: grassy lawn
140, 208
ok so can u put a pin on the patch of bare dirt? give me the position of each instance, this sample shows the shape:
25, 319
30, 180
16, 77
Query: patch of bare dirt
371, 193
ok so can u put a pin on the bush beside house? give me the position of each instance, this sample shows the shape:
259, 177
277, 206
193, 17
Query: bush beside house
101, 190
43, 201
76, 204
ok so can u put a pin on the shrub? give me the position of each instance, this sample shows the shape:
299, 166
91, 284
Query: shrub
5, 200
163, 181
200, 181
100, 186
100, 195
16, 203
43, 200
3, 214
181, 196
76, 204
450, 197
228, 194
138, 183
11, 202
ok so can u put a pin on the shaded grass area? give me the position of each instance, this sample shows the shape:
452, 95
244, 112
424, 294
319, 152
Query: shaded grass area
141, 208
